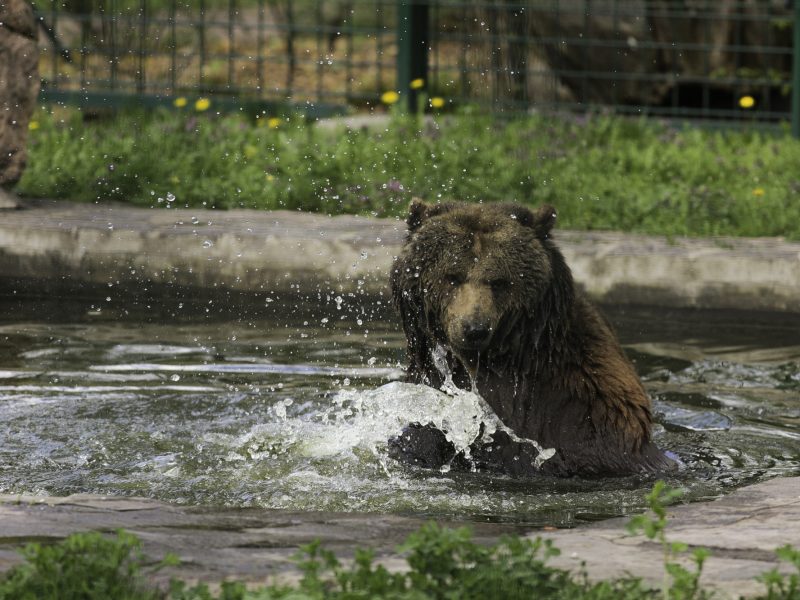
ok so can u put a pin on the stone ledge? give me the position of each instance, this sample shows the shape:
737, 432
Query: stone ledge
742, 530
52, 243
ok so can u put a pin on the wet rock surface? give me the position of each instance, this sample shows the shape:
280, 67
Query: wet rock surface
51, 246
8, 200
742, 530
249, 544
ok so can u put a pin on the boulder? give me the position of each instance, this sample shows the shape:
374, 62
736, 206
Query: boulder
19, 85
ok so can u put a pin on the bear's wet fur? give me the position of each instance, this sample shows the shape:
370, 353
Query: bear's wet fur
487, 283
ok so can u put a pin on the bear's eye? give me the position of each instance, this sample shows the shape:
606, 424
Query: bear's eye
453, 279
499, 285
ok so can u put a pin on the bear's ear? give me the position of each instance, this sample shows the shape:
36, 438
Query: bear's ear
419, 212
543, 220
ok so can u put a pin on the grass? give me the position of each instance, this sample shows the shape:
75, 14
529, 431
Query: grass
442, 564
601, 172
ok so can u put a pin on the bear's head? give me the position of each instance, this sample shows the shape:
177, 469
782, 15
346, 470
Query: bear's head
478, 278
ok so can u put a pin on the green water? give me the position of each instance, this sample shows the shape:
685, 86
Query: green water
242, 407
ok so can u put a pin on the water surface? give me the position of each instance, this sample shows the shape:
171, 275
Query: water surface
244, 406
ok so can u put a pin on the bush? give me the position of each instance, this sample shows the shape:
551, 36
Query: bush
84, 566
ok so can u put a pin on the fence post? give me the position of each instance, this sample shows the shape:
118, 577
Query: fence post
412, 48
796, 72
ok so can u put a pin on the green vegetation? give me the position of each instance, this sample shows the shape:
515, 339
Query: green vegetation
679, 582
443, 564
778, 585
85, 566
600, 172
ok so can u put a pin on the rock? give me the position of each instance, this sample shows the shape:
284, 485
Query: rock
214, 544
81, 247
19, 85
741, 529
8, 200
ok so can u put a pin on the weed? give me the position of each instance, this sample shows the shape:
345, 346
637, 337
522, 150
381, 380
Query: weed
86, 566
679, 582
779, 586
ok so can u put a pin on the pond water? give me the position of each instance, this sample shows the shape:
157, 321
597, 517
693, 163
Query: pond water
279, 405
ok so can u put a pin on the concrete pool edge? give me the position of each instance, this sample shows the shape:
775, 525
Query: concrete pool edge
56, 247
741, 529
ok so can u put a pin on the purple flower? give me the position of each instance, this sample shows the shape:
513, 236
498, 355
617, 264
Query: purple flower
395, 186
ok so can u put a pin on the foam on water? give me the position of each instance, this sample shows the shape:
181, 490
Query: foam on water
366, 419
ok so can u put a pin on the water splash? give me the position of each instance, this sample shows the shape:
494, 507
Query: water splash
368, 418
488, 418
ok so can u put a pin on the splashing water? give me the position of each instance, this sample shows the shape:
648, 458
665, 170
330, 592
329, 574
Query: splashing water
488, 418
372, 416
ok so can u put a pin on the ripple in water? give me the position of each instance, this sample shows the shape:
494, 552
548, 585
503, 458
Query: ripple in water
294, 412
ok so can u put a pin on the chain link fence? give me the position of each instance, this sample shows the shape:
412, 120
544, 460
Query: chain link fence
724, 60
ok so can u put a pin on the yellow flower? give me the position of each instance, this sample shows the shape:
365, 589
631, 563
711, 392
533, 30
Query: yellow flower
390, 97
437, 102
202, 104
250, 151
417, 84
747, 102
179, 102
270, 177
758, 191
274, 122
33, 125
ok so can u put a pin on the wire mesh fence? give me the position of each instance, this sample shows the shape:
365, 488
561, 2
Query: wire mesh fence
306, 52
711, 59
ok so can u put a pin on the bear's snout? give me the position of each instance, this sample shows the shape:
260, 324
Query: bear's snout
470, 318
476, 332
471, 333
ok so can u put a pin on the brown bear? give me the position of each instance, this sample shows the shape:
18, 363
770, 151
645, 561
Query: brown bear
487, 283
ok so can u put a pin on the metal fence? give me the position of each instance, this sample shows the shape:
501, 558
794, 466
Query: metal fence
727, 60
